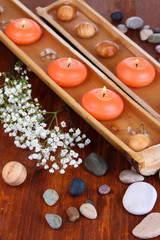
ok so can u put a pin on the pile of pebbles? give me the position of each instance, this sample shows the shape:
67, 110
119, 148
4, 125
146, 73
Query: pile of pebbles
135, 22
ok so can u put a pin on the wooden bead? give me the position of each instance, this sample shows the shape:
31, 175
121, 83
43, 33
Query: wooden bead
14, 173
85, 30
106, 49
66, 13
138, 142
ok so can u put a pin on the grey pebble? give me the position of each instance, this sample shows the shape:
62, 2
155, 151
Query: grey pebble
95, 164
157, 48
104, 189
122, 28
89, 201
50, 197
54, 221
154, 38
134, 22
156, 30
146, 27
129, 176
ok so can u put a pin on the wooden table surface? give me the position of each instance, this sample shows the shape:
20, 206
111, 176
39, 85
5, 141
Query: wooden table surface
22, 208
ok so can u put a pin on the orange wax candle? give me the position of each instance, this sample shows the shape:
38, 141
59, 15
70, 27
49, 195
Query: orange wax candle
67, 72
23, 31
135, 72
103, 104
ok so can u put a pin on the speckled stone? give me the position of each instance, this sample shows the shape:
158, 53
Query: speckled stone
157, 48
50, 197
134, 22
156, 30
77, 186
129, 176
116, 16
149, 227
54, 221
88, 211
145, 34
95, 164
139, 198
122, 28
73, 214
154, 38
104, 189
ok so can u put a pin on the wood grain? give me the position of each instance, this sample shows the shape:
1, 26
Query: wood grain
22, 208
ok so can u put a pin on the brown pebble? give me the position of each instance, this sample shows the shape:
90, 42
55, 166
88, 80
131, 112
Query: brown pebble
104, 189
73, 214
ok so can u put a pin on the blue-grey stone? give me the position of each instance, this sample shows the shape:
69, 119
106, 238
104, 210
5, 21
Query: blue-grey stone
134, 22
154, 38
77, 186
54, 221
50, 197
95, 164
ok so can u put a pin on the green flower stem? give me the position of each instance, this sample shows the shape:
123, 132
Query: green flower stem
138, 128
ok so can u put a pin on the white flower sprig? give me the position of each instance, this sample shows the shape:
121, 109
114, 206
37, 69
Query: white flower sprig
23, 118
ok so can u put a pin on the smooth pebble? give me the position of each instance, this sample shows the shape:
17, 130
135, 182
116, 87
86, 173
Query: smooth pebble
154, 38
104, 189
139, 198
95, 164
145, 34
149, 227
73, 214
129, 176
88, 211
134, 22
156, 30
89, 201
77, 186
54, 221
50, 197
122, 28
157, 48
146, 27
116, 16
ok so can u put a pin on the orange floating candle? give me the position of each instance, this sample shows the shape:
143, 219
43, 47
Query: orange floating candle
23, 31
103, 104
67, 72
135, 72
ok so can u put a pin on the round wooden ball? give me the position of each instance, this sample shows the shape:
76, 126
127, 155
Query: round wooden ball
106, 49
66, 13
14, 173
139, 142
85, 30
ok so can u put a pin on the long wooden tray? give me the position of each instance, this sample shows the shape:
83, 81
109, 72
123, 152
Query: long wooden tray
114, 131
149, 96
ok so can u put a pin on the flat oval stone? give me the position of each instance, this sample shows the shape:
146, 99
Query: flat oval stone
149, 227
129, 176
77, 186
95, 164
50, 197
122, 28
54, 221
156, 30
154, 38
157, 48
116, 16
73, 214
145, 34
88, 211
104, 189
134, 22
139, 198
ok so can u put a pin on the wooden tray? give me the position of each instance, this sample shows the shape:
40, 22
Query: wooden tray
114, 131
149, 96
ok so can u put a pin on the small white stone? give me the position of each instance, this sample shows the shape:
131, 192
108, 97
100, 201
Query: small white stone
139, 198
88, 211
145, 34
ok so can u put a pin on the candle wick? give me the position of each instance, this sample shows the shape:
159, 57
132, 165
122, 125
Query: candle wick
68, 65
23, 26
136, 65
103, 94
